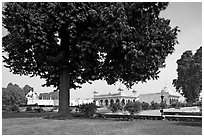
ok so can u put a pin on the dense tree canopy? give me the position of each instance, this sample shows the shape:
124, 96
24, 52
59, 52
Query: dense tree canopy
100, 36
69, 44
12, 96
189, 81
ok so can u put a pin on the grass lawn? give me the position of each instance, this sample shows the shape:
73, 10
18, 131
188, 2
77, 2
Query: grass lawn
31, 125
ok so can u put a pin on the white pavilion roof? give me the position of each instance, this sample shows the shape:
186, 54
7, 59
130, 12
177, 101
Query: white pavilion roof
168, 90
114, 95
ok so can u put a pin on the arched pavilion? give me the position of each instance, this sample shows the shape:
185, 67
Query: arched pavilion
105, 100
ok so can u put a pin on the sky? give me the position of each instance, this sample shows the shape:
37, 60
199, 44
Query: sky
186, 15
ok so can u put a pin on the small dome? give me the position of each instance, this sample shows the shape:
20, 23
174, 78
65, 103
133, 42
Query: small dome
134, 91
168, 90
95, 92
164, 90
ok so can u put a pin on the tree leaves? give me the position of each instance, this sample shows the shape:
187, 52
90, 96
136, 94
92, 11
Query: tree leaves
13, 95
110, 41
189, 81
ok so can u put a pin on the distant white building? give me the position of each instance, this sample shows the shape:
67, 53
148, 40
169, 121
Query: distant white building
169, 96
33, 98
76, 102
104, 100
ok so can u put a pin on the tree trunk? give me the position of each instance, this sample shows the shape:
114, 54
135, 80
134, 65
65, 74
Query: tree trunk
64, 93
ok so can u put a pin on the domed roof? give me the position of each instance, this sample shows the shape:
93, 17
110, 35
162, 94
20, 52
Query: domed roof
165, 89
168, 90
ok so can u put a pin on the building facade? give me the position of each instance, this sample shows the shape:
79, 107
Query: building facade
170, 97
105, 100
52, 99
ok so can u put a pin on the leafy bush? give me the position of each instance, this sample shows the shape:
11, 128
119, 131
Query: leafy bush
164, 105
11, 108
154, 105
177, 105
28, 108
88, 109
145, 106
133, 107
199, 103
15, 108
12, 97
115, 107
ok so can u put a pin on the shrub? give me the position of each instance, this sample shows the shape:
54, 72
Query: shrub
11, 108
115, 107
145, 106
154, 105
133, 107
164, 105
177, 105
88, 109
197, 103
15, 108
28, 108
12, 97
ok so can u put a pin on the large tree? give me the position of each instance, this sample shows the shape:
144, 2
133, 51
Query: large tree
69, 44
189, 80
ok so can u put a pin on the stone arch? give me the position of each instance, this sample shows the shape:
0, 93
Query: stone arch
123, 101
106, 102
111, 101
117, 101
101, 102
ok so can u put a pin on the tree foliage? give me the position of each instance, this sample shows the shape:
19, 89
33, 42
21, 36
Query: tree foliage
114, 107
12, 97
189, 80
133, 107
155, 105
72, 43
145, 106
102, 40
88, 110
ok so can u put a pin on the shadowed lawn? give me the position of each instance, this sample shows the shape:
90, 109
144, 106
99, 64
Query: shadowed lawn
81, 126
6, 115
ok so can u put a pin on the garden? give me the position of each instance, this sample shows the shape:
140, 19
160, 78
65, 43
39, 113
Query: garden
36, 124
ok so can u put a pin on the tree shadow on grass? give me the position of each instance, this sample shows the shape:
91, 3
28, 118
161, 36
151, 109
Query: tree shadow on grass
58, 117
194, 124
7, 115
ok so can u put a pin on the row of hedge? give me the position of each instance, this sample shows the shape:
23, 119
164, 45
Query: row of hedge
134, 107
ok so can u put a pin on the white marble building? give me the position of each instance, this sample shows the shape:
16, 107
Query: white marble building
33, 98
110, 98
104, 100
169, 96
